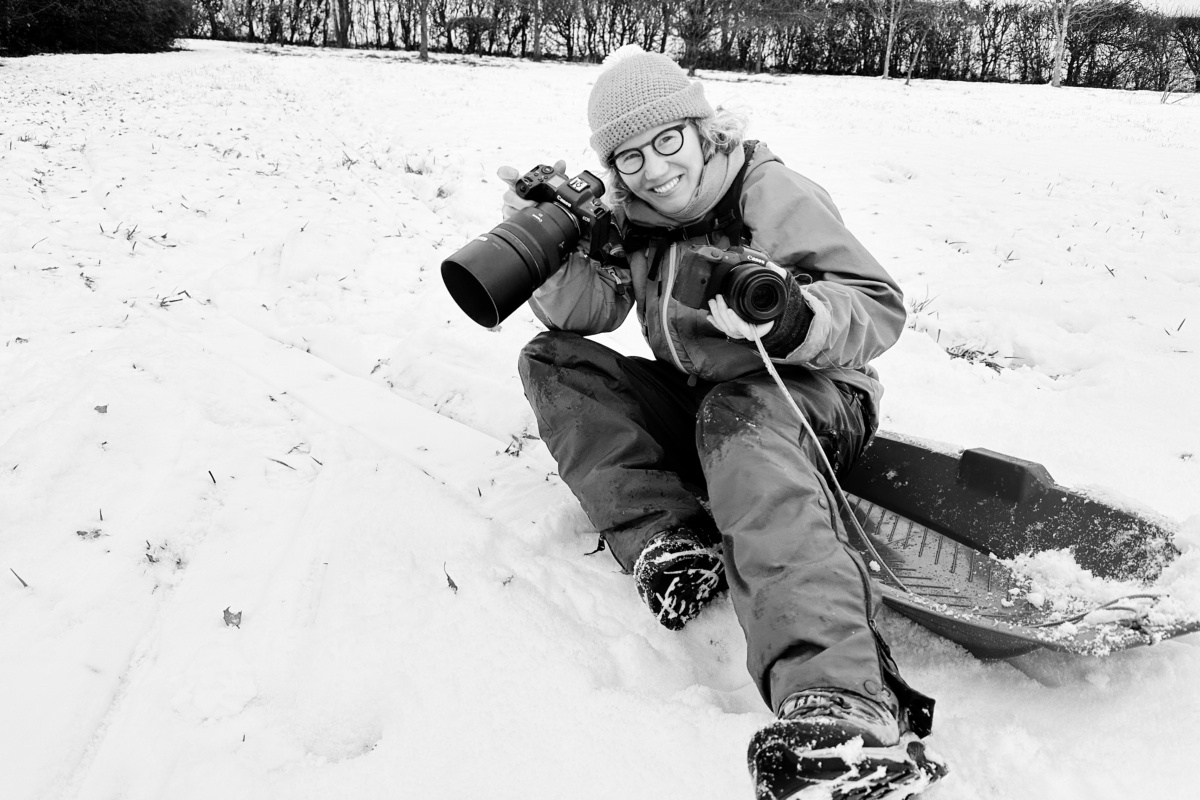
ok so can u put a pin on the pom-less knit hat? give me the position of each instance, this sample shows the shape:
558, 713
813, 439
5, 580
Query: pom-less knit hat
638, 91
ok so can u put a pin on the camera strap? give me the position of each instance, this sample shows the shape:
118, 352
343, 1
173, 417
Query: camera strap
726, 217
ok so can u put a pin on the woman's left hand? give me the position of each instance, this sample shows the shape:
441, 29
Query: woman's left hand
733, 326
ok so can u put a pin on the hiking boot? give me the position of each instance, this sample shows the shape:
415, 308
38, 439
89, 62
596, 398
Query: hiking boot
802, 749
677, 575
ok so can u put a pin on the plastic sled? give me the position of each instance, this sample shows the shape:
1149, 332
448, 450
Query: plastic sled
942, 521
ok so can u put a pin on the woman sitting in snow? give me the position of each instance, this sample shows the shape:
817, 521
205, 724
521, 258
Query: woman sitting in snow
642, 442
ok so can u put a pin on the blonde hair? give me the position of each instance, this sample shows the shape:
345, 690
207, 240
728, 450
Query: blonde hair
723, 132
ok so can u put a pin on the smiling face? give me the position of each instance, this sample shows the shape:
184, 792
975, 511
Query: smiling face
666, 182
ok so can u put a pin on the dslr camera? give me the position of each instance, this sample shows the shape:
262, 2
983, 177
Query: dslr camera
746, 278
494, 274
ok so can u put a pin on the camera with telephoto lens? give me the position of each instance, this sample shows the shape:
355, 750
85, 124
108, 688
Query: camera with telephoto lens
494, 274
748, 280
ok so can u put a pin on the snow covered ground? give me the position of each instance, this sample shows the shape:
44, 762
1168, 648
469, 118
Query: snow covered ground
231, 383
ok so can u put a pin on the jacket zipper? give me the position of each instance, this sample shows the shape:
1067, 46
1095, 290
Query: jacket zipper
666, 298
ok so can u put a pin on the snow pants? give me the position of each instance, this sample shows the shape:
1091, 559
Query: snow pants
641, 448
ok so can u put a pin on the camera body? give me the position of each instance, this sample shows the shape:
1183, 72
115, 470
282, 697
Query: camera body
746, 278
495, 273
579, 196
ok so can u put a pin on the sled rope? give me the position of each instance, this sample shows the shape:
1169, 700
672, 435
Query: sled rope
844, 504
1111, 605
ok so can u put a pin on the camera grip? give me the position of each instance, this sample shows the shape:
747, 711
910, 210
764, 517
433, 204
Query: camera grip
698, 278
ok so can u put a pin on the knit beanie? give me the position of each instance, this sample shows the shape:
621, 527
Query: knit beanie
636, 91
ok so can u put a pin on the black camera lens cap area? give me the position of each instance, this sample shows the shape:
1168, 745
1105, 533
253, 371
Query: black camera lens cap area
758, 295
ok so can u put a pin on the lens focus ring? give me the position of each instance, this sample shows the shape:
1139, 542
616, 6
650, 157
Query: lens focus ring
756, 293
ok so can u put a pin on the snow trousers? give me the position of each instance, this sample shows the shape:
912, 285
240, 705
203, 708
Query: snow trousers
641, 447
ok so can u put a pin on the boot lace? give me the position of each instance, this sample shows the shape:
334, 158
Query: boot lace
829, 703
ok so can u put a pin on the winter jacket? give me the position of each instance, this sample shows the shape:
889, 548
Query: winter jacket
858, 310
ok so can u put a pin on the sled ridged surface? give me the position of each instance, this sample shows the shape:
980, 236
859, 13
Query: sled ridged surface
942, 521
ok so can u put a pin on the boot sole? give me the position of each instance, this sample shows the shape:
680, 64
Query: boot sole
695, 577
846, 772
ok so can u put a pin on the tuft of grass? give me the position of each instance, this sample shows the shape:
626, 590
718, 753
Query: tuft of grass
418, 164
975, 355
917, 306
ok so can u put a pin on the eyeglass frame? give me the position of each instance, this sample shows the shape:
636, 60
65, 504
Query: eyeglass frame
681, 127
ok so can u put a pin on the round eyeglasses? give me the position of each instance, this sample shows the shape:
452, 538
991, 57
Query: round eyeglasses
666, 142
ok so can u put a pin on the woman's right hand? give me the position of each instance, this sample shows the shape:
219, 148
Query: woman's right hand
512, 202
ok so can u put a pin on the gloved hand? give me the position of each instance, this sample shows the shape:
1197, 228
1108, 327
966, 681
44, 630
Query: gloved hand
513, 202
730, 324
781, 335
733, 326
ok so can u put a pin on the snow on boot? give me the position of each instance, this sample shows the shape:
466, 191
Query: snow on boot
830, 744
677, 575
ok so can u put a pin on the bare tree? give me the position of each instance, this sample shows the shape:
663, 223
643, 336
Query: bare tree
760, 24
341, 23
995, 23
1186, 35
893, 13
214, 13
563, 18
1060, 12
536, 11
424, 4
249, 12
696, 22
927, 17
1064, 16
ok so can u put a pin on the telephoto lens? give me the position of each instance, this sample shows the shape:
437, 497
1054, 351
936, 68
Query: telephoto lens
494, 274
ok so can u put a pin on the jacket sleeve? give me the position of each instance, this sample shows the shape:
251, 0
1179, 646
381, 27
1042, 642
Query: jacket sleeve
583, 297
858, 309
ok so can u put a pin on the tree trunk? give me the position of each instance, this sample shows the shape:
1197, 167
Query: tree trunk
342, 23
1062, 18
537, 30
295, 22
916, 55
891, 39
424, 30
